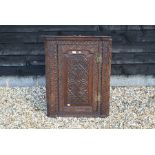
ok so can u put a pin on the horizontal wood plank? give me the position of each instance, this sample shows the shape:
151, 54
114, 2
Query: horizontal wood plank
134, 48
24, 37
129, 69
22, 70
21, 49
121, 37
37, 37
38, 28
20, 60
38, 48
126, 27
48, 28
133, 58
133, 69
117, 58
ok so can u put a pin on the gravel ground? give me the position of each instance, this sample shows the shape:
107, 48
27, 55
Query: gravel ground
130, 107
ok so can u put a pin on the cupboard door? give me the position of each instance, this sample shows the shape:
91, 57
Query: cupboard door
78, 79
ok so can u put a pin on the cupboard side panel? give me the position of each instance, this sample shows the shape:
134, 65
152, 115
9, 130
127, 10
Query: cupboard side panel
106, 71
51, 78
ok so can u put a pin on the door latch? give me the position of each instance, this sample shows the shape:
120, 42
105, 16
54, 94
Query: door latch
98, 58
98, 98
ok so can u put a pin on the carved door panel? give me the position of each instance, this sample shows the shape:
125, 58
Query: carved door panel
78, 79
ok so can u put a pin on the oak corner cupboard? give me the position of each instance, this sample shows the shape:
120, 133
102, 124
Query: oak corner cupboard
78, 75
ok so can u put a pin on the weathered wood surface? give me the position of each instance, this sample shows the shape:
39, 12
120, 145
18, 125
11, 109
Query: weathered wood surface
133, 58
22, 49
22, 60
47, 28
133, 69
130, 69
22, 70
118, 58
121, 37
36, 28
38, 48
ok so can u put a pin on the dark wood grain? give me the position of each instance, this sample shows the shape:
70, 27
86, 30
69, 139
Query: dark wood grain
82, 69
105, 82
119, 36
38, 28
38, 48
138, 41
22, 70
133, 69
51, 78
21, 49
148, 47
22, 60
77, 82
47, 28
133, 58
121, 69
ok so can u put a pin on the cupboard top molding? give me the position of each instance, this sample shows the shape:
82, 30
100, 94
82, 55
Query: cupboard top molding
76, 38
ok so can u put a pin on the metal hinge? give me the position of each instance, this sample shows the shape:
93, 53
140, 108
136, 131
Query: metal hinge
98, 98
98, 58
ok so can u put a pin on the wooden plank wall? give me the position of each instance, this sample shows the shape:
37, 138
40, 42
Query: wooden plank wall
22, 50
